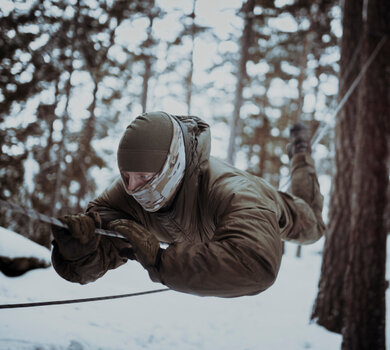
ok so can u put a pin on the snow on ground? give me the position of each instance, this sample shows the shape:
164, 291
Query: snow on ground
276, 319
13, 245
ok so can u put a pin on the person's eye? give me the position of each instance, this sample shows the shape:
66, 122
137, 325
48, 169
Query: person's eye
144, 177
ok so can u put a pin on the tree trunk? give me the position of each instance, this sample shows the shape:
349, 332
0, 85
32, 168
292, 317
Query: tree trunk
148, 62
241, 77
191, 59
263, 137
145, 83
86, 138
329, 305
56, 196
365, 284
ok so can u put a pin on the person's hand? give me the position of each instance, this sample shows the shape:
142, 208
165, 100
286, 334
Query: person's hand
144, 243
81, 226
79, 239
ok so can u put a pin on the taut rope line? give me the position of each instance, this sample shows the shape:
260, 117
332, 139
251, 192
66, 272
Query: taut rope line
351, 89
324, 129
32, 214
83, 300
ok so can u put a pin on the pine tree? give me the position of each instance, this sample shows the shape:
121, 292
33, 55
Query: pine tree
329, 305
180, 58
351, 297
246, 43
364, 324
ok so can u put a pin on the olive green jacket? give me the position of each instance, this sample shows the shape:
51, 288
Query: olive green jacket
223, 229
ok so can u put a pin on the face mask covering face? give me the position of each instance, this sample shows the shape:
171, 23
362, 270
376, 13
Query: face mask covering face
162, 187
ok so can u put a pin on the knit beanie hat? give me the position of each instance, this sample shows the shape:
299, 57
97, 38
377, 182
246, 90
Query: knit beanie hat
164, 155
145, 144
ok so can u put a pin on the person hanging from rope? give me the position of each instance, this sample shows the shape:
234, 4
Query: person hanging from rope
223, 227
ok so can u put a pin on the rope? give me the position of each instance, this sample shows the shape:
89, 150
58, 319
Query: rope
84, 300
351, 89
318, 136
34, 215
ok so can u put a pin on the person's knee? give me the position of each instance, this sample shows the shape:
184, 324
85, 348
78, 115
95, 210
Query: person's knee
307, 227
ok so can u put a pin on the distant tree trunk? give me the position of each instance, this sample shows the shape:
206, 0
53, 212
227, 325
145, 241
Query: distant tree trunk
241, 77
145, 83
365, 284
263, 137
329, 305
147, 60
297, 116
86, 138
56, 196
301, 79
191, 60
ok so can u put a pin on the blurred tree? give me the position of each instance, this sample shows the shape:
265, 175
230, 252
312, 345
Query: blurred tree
23, 73
148, 55
185, 43
178, 71
96, 38
246, 42
82, 41
55, 55
188, 80
284, 59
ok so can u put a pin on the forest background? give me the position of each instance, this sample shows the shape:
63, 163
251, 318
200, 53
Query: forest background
74, 73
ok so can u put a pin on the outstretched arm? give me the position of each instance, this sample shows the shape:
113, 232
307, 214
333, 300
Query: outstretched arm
81, 256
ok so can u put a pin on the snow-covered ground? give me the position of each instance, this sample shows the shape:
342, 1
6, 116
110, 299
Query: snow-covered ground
276, 319
13, 245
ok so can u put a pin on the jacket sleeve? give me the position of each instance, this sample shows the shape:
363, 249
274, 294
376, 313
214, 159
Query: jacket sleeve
108, 254
243, 258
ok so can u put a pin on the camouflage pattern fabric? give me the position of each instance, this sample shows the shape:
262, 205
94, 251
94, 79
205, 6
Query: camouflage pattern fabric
160, 189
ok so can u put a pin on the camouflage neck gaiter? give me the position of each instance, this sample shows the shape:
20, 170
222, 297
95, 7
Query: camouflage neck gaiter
163, 186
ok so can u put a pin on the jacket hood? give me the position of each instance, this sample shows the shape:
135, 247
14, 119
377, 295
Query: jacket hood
197, 142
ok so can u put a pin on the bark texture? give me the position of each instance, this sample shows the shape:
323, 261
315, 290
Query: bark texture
365, 284
328, 308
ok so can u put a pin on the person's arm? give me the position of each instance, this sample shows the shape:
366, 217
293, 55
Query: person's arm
243, 257
92, 263
85, 261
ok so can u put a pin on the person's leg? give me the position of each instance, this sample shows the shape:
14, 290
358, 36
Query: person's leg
304, 183
303, 207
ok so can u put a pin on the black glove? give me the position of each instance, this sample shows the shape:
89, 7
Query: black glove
80, 239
